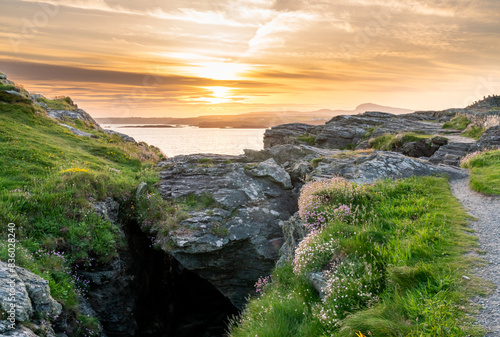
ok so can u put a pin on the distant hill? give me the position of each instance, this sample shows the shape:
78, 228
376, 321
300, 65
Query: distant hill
259, 119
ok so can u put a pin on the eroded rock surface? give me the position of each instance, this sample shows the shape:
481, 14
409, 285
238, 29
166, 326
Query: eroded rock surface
237, 239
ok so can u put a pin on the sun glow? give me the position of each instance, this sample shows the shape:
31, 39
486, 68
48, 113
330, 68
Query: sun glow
219, 95
220, 70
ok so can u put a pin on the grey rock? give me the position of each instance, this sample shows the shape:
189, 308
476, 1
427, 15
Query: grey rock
237, 240
490, 138
424, 148
122, 135
273, 172
3, 76
108, 209
20, 331
317, 281
32, 294
141, 189
286, 134
62, 115
293, 232
78, 132
369, 167
349, 130
39, 294
15, 93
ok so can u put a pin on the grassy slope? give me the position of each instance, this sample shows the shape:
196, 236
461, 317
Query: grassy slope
485, 171
395, 264
49, 180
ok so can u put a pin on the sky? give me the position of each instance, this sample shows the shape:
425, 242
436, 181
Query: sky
187, 58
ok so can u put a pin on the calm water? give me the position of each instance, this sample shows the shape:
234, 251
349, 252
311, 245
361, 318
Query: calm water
189, 140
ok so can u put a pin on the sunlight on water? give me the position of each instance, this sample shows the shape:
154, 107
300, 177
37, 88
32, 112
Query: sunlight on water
190, 140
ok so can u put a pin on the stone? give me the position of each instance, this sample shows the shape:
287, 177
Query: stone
318, 282
273, 172
20, 331
293, 232
32, 295
237, 239
490, 138
15, 93
286, 134
350, 130
62, 115
122, 135
78, 132
140, 190
369, 167
108, 209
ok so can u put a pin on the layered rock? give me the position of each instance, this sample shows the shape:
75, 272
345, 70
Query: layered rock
371, 166
349, 130
32, 300
237, 239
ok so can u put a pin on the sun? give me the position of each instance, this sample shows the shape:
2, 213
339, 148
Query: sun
219, 95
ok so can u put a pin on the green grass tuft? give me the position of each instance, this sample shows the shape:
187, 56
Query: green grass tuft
307, 138
474, 132
485, 171
457, 123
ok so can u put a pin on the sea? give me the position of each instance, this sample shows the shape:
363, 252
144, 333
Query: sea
183, 140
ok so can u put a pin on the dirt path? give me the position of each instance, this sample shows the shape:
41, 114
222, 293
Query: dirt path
487, 210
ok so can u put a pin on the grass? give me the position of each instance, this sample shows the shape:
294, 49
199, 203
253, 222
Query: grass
474, 131
307, 138
59, 103
392, 260
485, 171
50, 180
389, 142
457, 123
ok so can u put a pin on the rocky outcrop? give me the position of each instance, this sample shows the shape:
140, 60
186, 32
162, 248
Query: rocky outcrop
490, 138
79, 114
287, 133
77, 132
451, 153
371, 166
32, 300
122, 135
350, 130
237, 239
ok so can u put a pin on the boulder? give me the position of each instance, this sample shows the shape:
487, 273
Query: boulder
369, 167
32, 295
490, 138
122, 135
62, 115
273, 172
287, 133
20, 331
234, 241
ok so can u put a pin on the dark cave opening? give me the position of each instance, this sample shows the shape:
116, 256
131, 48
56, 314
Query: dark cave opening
171, 300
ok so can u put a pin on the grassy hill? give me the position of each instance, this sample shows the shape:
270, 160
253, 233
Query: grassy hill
51, 179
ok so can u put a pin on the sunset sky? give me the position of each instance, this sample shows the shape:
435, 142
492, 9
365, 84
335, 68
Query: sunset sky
195, 57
